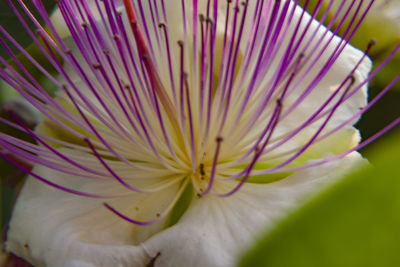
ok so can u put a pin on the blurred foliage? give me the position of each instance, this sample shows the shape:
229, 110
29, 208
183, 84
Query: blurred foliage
10, 22
11, 177
354, 223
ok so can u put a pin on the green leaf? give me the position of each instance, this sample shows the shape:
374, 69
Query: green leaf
354, 223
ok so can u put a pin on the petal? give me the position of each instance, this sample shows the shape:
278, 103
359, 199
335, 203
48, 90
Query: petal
50, 227
215, 230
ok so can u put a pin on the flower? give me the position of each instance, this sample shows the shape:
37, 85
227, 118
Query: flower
180, 129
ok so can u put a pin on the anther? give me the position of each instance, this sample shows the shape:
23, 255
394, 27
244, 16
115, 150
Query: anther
162, 25
352, 79
106, 52
219, 139
209, 20
371, 43
96, 65
116, 36
67, 51
202, 172
180, 43
84, 24
201, 17
125, 85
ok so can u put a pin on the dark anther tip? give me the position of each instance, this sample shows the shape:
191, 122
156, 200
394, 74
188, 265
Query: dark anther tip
372, 42
202, 172
219, 139
352, 79
209, 20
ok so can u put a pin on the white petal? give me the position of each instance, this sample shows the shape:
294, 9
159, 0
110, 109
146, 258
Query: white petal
50, 227
215, 230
